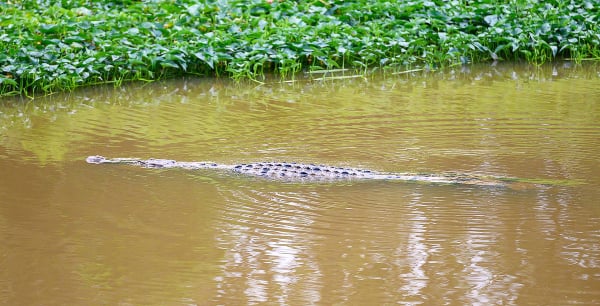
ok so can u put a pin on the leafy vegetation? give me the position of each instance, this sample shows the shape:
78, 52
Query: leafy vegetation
59, 45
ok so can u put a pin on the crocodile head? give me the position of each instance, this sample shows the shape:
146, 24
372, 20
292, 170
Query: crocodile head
95, 159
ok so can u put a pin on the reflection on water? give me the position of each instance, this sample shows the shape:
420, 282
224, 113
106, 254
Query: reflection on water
79, 234
267, 244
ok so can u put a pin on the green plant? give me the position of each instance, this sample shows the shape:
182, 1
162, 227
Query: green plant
51, 46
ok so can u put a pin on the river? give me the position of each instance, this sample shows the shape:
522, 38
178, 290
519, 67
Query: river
79, 234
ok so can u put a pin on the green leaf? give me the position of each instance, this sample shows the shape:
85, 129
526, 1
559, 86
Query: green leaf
88, 60
133, 31
49, 28
169, 64
491, 20
7, 81
194, 9
554, 50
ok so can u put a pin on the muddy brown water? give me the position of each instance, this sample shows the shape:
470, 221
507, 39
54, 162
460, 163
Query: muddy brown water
80, 234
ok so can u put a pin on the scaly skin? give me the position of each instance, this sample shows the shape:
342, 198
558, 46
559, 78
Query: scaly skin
285, 171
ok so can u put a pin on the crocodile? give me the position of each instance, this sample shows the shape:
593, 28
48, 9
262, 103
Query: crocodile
301, 172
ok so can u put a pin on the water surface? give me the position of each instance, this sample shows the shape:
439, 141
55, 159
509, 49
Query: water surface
74, 233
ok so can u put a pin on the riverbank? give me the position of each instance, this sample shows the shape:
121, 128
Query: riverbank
51, 48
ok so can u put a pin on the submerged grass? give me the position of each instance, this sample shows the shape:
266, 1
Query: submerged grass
59, 45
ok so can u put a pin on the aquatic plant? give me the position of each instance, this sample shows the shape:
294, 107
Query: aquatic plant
51, 46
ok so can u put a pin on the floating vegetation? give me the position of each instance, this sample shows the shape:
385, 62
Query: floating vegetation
50, 46
340, 77
408, 71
